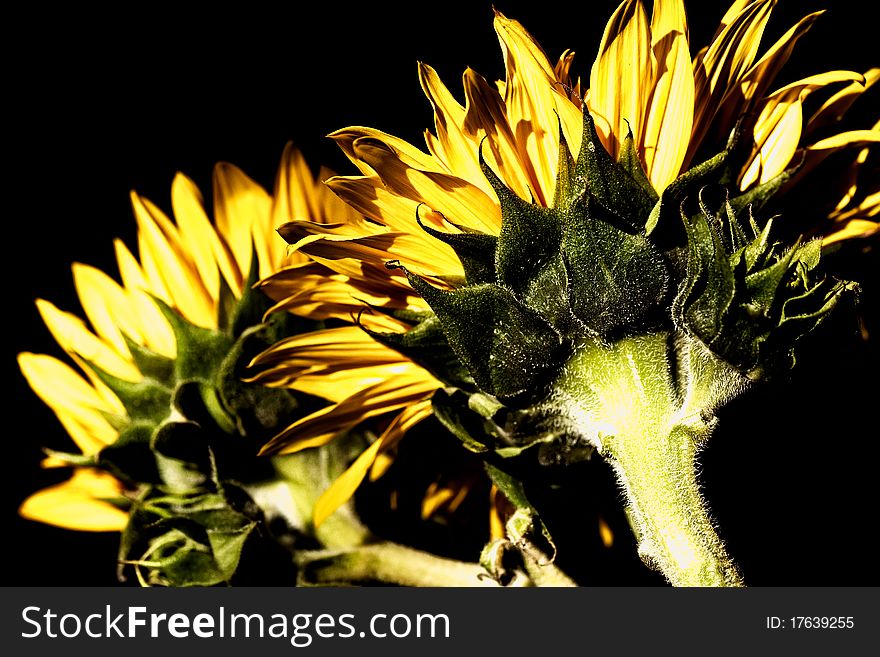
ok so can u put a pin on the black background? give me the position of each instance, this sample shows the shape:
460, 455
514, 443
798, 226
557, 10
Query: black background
102, 103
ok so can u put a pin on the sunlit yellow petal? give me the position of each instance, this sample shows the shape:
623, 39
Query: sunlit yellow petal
834, 108
721, 68
777, 130
620, 80
671, 113
341, 490
78, 503
71, 333
198, 234
239, 204
170, 273
77, 404
107, 307
322, 426
533, 103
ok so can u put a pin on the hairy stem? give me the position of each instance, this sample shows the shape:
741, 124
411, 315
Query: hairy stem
668, 514
623, 399
387, 563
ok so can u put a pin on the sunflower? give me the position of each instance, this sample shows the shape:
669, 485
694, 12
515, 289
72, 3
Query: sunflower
188, 264
653, 101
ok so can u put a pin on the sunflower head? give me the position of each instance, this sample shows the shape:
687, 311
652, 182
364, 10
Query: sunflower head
589, 271
168, 430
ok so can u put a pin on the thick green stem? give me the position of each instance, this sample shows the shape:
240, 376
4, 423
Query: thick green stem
668, 515
387, 563
623, 399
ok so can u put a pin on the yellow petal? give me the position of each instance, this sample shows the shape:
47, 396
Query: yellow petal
154, 330
72, 335
759, 77
439, 496
533, 103
777, 130
407, 153
332, 363
852, 229
721, 68
107, 307
312, 290
167, 267
456, 149
341, 490
321, 427
833, 109
671, 113
370, 196
77, 405
78, 503
239, 205
458, 200
486, 116
621, 76
197, 233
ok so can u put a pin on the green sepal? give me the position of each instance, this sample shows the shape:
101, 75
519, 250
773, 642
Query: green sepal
199, 350
151, 364
530, 234
750, 306
130, 456
308, 474
567, 188
757, 196
255, 411
80, 460
629, 160
707, 291
512, 487
252, 305
145, 400
183, 441
616, 278
425, 344
668, 208
450, 406
475, 250
608, 181
227, 302
505, 345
